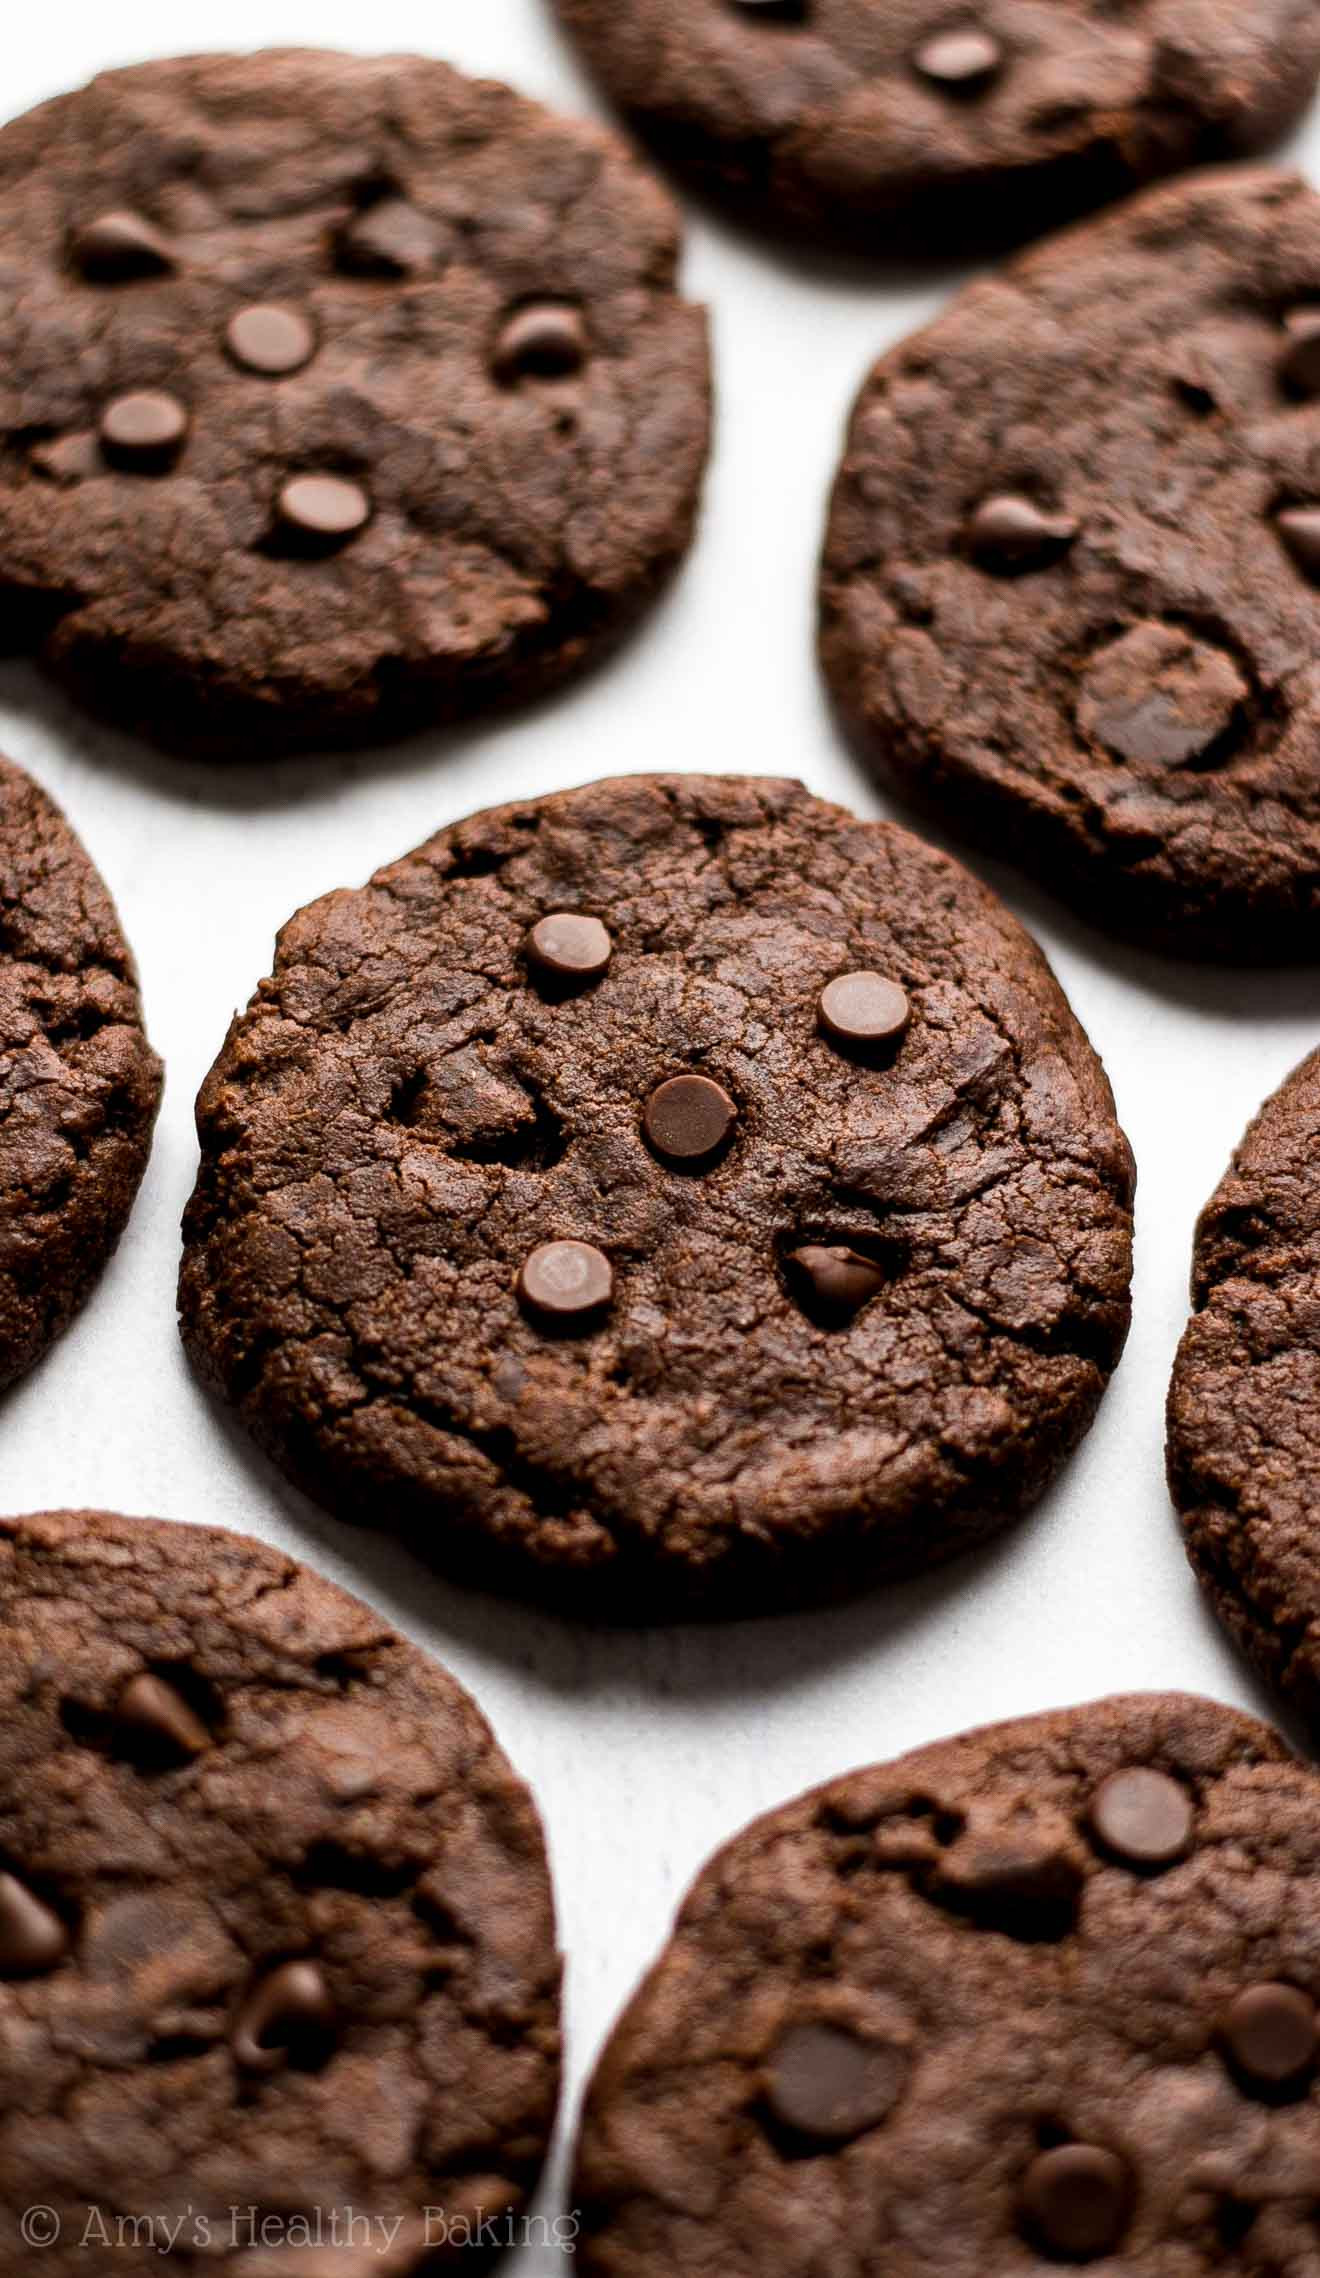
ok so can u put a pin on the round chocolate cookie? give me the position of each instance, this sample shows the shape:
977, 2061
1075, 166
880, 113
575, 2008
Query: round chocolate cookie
1071, 587
79, 1083
339, 395
1044, 1994
673, 1195
1244, 1404
914, 125
278, 1979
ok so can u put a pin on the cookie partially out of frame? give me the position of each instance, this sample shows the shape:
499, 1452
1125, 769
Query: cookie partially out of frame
276, 1934
1071, 587
1041, 1996
79, 1083
672, 1195
339, 394
1244, 1404
912, 125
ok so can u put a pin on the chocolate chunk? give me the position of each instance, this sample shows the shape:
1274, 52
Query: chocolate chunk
143, 431
864, 1008
153, 1715
119, 246
1299, 361
1299, 528
839, 1279
1272, 2035
688, 1119
1159, 697
32, 1938
826, 2083
1012, 534
545, 341
69, 458
961, 62
564, 1280
393, 239
1143, 1817
323, 510
1076, 2200
288, 2015
569, 946
270, 339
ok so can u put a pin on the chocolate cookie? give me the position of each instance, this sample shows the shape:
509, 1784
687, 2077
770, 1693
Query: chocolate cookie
340, 395
1070, 579
79, 1083
919, 126
1244, 1405
1043, 1994
673, 1195
276, 1931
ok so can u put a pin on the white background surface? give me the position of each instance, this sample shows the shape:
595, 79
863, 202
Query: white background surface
644, 1751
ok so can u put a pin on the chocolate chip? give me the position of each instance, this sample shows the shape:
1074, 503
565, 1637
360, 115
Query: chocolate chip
564, 1280
1160, 698
829, 2084
1076, 2200
392, 239
1299, 360
1011, 534
269, 339
546, 340
288, 2014
32, 1938
1142, 1817
688, 1119
323, 510
961, 62
69, 458
569, 946
119, 246
1299, 528
1272, 2034
143, 430
839, 1279
863, 1008
153, 1715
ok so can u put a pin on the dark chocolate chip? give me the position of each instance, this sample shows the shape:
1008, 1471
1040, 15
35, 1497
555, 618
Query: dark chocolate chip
144, 430
863, 1008
1076, 2200
1010, 534
1272, 2034
569, 945
546, 340
1299, 360
1142, 1817
563, 1280
961, 62
116, 247
839, 1279
323, 510
1299, 528
32, 1938
288, 2013
392, 239
827, 2083
155, 1716
688, 1119
270, 339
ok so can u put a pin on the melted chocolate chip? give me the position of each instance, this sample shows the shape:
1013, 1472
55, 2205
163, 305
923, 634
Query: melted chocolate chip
688, 1119
863, 1008
564, 1280
323, 511
961, 62
828, 2084
32, 1937
152, 1716
270, 339
1160, 698
546, 340
839, 1280
288, 2015
392, 239
143, 431
1010, 534
1142, 1817
1076, 2200
1272, 2035
569, 946
116, 247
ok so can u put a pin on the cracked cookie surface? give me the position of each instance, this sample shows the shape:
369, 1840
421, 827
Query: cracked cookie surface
914, 126
1039, 1996
1070, 587
1244, 1403
670, 1195
276, 1929
339, 395
79, 1083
